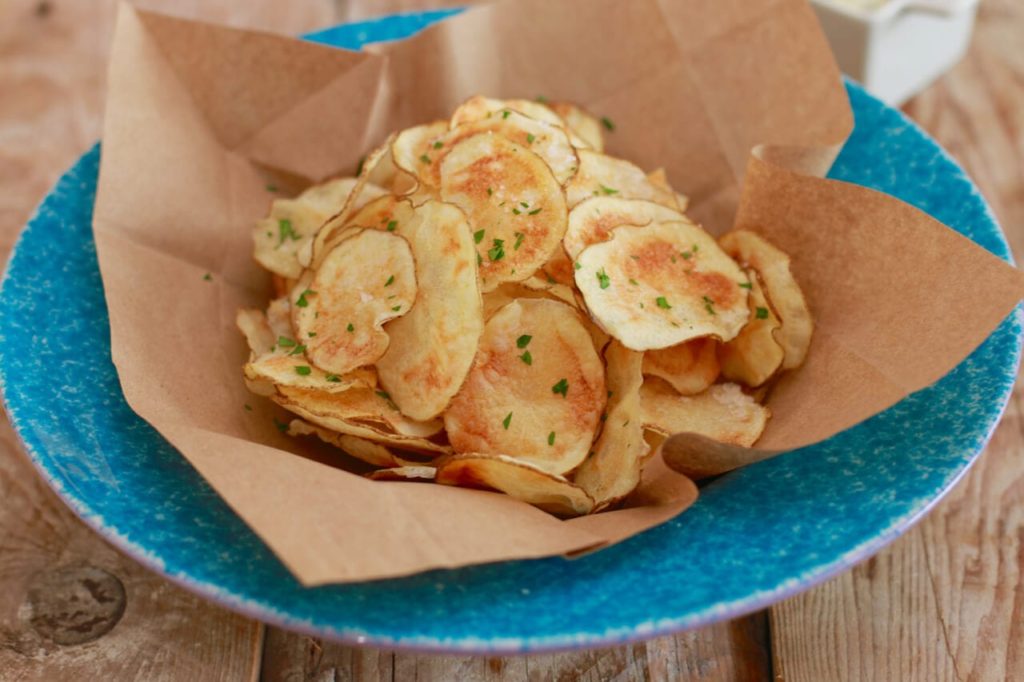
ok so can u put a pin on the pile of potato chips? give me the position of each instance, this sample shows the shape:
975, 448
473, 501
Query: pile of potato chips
493, 302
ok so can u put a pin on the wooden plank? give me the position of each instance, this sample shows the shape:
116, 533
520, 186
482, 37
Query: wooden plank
946, 600
733, 651
71, 607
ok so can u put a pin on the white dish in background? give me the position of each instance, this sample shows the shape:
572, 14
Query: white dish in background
896, 48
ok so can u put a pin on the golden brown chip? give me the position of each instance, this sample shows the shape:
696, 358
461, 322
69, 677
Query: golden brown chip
723, 412
278, 238
432, 347
516, 478
362, 412
536, 388
754, 356
662, 284
600, 175
582, 124
591, 221
550, 143
780, 288
612, 471
510, 291
515, 206
339, 310
480, 107
689, 367
360, 448
404, 473
558, 268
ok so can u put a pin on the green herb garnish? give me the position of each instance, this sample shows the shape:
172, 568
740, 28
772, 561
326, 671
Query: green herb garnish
761, 313
608, 124
603, 279
709, 305
527, 358
333, 378
301, 300
561, 387
303, 370
392, 224
746, 285
519, 241
424, 158
286, 231
551, 438
530, 138
662, 303
507, 420
478, 236
523, 341
208, 277
497, 252
391, 280
350, 327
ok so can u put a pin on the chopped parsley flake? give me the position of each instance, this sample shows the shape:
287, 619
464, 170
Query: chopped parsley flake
551, 280
281, 426
761, 313
298, 350
673, 258
311, 334
497, 252
424, 158
577, 265
248, 407
519, 241
634, 282
303, 370
542, 99
663, 303
527, 358
271, 188
505, 114
686, 255
603, 279
479, 260
383, 394
696, 248
301, 300
524, 204
392, 224
551, 438
534, 212
746, 285
478, 236
391, 280
285, 342
709, 305
490, 191
530, 138
507, 420
523, 341
208, 277
608, 123
350, 327
359, 168
438, 144
561, 387
333, 378
608, 190
286, 231
516, 211
396, 308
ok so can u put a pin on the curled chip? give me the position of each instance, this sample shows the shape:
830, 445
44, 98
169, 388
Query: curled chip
327, 198
663, 284
365, 450
256, 330
753, 357
689, 367
516, 478
278, 238
416, 147
511, 291
600, 175
432, 347
404, 473
536, 388
612, 471
549, 142
364, 413
480, 107
558, 269
780, 288
723, 412
515, 206
591, 221
339, 309
581, 124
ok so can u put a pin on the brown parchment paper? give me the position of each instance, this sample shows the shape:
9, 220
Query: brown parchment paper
199, 117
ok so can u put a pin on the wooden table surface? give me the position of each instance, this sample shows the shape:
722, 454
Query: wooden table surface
944, 602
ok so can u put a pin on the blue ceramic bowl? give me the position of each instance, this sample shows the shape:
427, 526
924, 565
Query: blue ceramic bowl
754, 537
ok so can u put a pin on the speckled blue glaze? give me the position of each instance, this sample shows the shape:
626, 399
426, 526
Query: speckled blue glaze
754, 537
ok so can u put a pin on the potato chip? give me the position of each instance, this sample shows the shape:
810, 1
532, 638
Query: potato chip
662, 284
425, 474
415, 144
536, 388
361, 193
510, 291
516, 478
558, 269
278, 238
612, 471
591, 221
580, 123
478, 107
432, 347
327, 198
364, 412
550, 143
515, 206
723, 412
288, 367
689, 367
754, 356
339, 310
600, 175
781, 290
256, 330
365, 450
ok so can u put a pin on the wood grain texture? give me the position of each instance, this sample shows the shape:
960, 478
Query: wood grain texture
71, 607
946, 601
726, 652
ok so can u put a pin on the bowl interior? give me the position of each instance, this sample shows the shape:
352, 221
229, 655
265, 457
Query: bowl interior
754, 536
